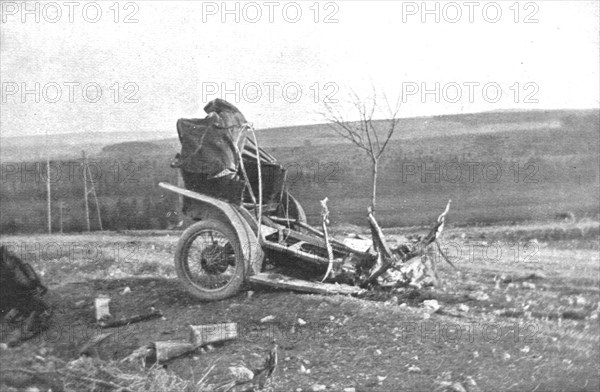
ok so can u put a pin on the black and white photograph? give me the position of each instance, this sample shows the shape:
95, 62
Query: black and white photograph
299, 196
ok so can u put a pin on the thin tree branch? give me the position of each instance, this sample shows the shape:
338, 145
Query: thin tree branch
343, 128
394, 120
371, 122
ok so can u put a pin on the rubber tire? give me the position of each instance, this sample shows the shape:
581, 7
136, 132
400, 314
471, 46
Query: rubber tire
187, 238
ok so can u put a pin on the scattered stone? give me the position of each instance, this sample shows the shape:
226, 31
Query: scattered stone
301, 322
378, 352
126, 290
3, 346
506, 356
431, 305
581, 301
478, 296
381, 379
457, 387
241, 373
525, 349
470, 383
528, 285
351, 389
250, 293
318, 387
535, 276
463, 308
267, 319
443, 386
102, 308
414, 369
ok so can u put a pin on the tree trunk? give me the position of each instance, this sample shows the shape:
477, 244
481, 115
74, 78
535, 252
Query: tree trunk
374, 195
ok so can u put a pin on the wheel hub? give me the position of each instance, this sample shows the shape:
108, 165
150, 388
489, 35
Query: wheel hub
215, 258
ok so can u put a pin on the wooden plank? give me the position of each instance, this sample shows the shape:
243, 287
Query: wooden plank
296, 247
155, 313
337, 245
267, 207
309, 239
286, 282
194, 195
204, 334
283, 221
307, 256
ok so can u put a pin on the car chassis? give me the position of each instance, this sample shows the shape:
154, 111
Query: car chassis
236, 194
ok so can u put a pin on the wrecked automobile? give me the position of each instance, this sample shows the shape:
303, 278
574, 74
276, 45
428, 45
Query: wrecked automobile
245, 219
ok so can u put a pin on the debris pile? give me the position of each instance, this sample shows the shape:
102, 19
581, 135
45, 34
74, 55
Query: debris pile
376, 263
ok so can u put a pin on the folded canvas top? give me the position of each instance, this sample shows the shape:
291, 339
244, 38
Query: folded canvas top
208, 144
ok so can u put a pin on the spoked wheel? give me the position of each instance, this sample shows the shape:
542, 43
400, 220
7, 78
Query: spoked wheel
209, 260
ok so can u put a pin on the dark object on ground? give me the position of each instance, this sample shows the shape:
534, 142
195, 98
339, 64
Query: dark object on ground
154, 313
21, 298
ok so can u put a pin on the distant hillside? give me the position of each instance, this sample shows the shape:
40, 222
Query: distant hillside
62, 146
496, 167
133, 148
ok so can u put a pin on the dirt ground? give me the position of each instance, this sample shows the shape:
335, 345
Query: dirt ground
521, 315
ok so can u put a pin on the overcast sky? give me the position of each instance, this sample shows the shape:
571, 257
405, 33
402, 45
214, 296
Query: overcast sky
176, 56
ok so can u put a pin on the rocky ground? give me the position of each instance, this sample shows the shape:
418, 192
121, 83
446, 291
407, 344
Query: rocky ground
521, 315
